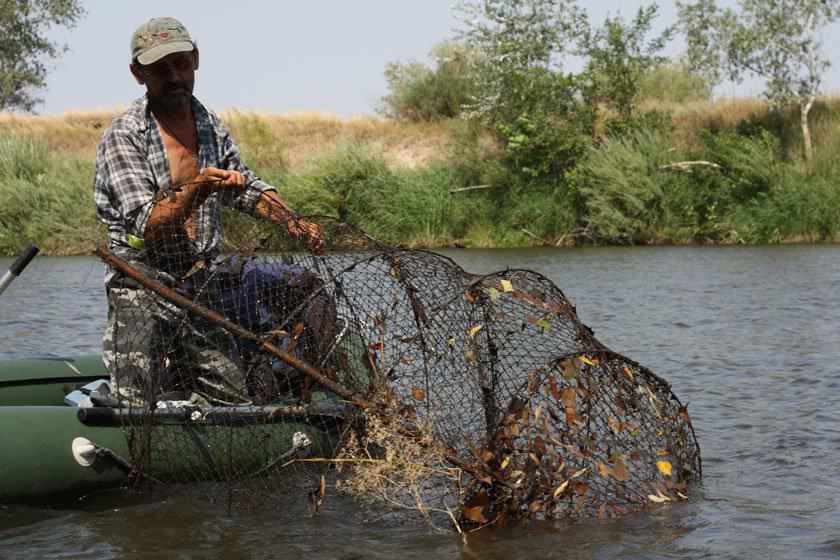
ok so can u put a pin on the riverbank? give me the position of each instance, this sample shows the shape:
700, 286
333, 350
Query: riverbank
408, 182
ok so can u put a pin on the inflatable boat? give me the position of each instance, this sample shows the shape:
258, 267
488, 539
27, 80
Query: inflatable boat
62, 437
56, 443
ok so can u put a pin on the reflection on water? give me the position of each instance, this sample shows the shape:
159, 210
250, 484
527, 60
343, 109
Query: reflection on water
749, 337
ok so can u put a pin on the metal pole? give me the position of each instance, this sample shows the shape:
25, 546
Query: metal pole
18, 266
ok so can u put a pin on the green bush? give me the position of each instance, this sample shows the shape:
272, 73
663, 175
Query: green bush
534, 214
420, 93
540, 147
622, 189
748, 163
630, 193
701, 202
543, 128
332, 184
416, 206
394, 205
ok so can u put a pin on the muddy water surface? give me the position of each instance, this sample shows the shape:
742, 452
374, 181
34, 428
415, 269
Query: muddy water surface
749, 337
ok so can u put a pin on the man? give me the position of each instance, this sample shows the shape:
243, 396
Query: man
163, 170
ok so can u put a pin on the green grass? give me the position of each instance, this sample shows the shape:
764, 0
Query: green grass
619, 192
46, 198
396, 205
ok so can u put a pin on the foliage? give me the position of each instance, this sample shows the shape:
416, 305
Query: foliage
474, 155
618, 192
523, 33
799, 207
398, 206
545, 134
652, 121
420, 93
674, 83
620, 55
703, 203
533, 214
523, 95
520, 45
776, 41
621, 189
636, 191
748, 163
544, 118
332, 184
24, 46
630, 193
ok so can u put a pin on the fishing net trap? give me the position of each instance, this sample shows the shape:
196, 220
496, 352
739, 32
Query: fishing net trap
482, 400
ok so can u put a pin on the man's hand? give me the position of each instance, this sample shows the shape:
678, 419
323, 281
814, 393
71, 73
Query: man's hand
221, 179
271, 207
311, 233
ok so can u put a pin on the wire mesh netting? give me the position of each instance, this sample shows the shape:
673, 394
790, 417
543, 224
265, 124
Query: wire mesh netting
478, 399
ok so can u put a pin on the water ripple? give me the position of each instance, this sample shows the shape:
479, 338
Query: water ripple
750, 337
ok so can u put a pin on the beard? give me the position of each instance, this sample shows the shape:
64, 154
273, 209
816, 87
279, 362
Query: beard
175, 97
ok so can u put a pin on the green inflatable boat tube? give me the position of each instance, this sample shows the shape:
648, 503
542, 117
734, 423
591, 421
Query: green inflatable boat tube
50, 451
45, 381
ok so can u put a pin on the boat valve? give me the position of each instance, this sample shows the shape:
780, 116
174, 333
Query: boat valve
84, 451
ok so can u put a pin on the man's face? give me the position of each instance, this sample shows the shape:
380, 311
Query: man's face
169, 81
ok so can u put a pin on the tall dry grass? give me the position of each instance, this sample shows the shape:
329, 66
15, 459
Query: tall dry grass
300, 137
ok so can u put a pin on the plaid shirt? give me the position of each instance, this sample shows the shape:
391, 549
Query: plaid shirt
132, 167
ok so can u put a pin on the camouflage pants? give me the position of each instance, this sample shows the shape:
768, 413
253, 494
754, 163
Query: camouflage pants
152, 347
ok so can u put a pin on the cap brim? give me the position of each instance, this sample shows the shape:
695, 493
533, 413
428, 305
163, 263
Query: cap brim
156, 53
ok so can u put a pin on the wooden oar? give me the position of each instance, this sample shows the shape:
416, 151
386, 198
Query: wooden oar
18, 266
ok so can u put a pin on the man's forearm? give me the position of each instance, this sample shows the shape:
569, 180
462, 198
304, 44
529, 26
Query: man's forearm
271, 207
174, 209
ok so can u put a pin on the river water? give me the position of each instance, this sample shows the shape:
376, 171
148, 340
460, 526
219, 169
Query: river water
749, 337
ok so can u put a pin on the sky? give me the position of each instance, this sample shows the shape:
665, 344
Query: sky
282, 56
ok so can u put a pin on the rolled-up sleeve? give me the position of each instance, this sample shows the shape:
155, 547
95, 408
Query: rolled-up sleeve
125, 185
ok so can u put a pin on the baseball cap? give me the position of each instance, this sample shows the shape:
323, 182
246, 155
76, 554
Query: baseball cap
159, 37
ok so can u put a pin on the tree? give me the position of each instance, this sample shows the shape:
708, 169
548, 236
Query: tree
523, 94
24, 47
777, 41
620, 56
420, 93
520, 41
